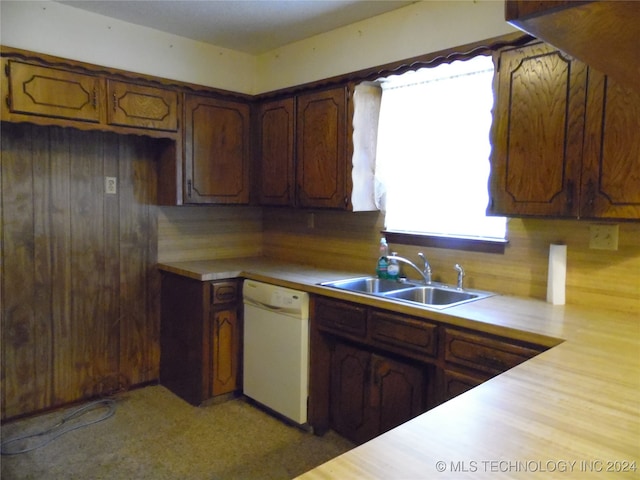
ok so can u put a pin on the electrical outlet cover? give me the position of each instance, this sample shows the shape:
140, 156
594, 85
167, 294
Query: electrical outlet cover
603, 237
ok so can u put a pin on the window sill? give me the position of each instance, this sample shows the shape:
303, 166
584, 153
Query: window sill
453, 243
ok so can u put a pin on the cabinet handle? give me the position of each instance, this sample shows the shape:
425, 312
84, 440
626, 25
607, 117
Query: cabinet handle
115, 101
95, 97
570, 190
189, 188
591, 193
374, 382
493, 362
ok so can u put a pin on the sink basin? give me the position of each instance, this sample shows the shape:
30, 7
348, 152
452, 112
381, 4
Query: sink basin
437, 296
371, 285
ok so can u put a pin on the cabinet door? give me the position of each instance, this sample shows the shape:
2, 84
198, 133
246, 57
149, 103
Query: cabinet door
456, 383
226, 350
397, 392
217, 153
611, 170
56, 93
184, 338
371, 394
134, 105
537, 133
321, 152
351, 412
276, 121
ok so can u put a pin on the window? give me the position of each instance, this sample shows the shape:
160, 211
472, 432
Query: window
433, 148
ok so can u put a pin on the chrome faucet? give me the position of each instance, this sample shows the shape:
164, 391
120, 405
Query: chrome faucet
425, 274
460, 271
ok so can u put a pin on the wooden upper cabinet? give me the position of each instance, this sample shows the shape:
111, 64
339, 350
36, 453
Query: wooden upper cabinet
133, 105
611, 156
51, 92
321, 149
602, 34
216, 146
537, 137
276, 125
565, 139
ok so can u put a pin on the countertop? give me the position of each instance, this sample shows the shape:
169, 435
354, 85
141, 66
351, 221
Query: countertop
571, 412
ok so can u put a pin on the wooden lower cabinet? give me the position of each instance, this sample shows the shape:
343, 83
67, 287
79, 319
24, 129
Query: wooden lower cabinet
456, 383
373, 369
371, 393
200, 337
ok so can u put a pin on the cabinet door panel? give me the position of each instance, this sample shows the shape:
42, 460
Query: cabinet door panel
397, 391
216, 150
226, 351
539, 118
321, 149
134, 105
54, 93
277, 180
351, 413
611, 179
456, 383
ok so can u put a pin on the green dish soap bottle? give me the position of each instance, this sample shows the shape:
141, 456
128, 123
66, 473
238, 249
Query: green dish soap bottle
393, 269
383, 262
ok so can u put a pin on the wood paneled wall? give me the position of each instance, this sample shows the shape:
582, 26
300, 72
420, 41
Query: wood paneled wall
79, 285
595, 278
209, 232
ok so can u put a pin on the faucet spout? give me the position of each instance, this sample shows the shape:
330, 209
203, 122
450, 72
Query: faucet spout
426, 274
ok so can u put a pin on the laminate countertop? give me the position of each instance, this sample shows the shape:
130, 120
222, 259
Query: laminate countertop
572, 411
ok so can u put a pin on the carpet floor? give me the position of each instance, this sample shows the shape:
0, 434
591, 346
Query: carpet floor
156, 435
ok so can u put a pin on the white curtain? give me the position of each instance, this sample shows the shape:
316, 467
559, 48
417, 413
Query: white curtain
432, 164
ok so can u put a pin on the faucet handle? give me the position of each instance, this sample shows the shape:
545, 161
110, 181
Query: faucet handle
458, 268
427, 268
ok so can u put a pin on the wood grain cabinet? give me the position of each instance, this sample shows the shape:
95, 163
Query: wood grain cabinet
603, 34
217, 150
133, 105
472, 358
372, 369
403, 334
52, 92
371, 394
321, 149
303, 145
365, 378
565, 140
276, 137
200, 337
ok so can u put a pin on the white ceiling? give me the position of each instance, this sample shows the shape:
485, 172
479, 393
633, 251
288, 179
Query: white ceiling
251, 26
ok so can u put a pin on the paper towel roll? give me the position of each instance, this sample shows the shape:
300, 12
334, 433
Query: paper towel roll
557, 276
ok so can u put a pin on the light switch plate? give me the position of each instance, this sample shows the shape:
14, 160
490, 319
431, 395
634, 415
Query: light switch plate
603, 237
110, 185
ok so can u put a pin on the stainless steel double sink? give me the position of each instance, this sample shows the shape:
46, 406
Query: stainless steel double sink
435, 295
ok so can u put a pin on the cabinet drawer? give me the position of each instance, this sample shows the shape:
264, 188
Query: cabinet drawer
341, 317
224, 292
132, 105
486, 354
410, 334
51, 92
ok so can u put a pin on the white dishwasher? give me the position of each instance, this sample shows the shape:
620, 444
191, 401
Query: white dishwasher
276, 348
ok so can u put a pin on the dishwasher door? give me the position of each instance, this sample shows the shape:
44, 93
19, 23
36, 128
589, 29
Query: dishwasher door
276, 348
